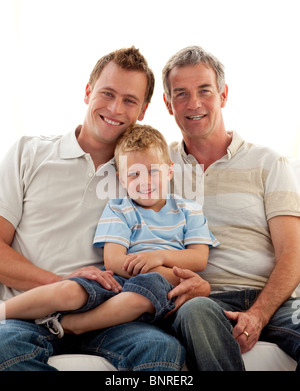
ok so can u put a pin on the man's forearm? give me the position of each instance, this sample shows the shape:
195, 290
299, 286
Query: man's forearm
19, 273
281, 284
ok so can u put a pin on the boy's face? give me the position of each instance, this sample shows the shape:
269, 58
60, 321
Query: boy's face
145, 176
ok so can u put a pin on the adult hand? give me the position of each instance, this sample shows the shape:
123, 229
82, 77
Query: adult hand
191, 285
104, 278
247, 329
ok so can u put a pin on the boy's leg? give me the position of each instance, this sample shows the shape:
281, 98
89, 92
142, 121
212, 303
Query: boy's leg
41, 301
122, 308
155, 288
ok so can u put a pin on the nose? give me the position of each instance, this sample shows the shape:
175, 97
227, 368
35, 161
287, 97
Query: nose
194, 101
116, 106
144, 180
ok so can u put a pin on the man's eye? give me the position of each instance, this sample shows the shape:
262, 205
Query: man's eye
204, 92
107, 94
130, 101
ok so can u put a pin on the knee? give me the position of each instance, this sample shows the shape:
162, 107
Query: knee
200, 313
71, 295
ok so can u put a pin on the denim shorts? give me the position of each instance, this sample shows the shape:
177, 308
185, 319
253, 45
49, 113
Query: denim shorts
150, 285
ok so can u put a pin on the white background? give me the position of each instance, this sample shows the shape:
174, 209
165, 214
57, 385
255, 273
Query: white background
48, 49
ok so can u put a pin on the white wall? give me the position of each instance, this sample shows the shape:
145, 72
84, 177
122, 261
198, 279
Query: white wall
49, 48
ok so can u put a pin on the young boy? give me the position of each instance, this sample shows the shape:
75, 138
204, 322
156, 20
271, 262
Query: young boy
141, 235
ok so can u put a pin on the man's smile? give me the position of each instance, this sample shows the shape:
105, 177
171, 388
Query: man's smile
110, 121
195, 117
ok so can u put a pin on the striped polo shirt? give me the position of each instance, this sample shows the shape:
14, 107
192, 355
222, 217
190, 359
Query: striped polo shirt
242, 191
178, 224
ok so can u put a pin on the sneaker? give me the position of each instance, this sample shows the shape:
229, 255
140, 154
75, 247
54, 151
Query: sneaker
52, 322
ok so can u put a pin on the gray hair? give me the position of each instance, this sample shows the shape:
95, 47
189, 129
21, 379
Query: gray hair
193, 55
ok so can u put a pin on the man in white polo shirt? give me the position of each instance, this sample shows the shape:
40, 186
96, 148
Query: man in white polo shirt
252, 203
50, 204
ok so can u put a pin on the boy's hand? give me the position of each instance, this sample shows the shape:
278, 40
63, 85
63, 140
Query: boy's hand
141, 263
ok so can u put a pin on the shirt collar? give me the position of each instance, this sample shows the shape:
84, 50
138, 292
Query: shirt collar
69, 147
236, 143
234, 146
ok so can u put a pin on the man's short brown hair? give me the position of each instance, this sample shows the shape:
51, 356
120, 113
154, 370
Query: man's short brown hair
130, 59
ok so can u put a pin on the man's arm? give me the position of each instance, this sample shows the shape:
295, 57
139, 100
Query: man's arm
19, 273
285, 234
16, 271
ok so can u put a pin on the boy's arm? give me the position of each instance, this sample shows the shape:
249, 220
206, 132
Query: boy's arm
194, 258
115, 255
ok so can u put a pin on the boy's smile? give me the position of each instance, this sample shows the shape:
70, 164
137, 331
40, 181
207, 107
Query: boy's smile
146, 177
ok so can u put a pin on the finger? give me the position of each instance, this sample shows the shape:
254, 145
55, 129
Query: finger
130, 258
183, 273
113, 282
179, 290
144, 269
246, 343
138, 264
131, 265
231, 315
178, 303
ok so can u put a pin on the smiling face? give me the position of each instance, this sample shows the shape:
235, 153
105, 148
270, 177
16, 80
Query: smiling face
145, 176
195, 100
116, 101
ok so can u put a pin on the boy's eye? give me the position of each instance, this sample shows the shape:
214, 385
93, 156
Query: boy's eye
154, 171
133, 174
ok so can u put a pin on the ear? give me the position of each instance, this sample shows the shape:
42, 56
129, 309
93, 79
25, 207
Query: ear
168, 105
224, 96
170, 171
121, 180
88, 90
143, 112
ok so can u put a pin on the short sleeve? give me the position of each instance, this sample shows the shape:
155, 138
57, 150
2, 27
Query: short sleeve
196, 229
112, 226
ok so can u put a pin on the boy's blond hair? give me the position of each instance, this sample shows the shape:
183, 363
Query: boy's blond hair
141, 138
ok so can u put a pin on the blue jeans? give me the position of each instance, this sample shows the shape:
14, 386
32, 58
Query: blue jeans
153, 286
136, 346
206, 332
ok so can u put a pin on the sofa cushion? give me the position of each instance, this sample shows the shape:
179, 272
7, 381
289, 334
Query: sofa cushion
264, 356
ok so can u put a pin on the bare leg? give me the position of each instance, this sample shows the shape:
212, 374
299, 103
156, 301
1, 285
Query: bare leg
41, 301
122, 308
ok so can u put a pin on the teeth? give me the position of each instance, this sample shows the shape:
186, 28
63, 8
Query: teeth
195, 117
146, 191
109, 121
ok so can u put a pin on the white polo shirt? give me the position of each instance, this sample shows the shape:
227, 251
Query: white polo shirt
48, 193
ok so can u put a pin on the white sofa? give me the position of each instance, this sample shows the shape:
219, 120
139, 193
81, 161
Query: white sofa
263, 357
